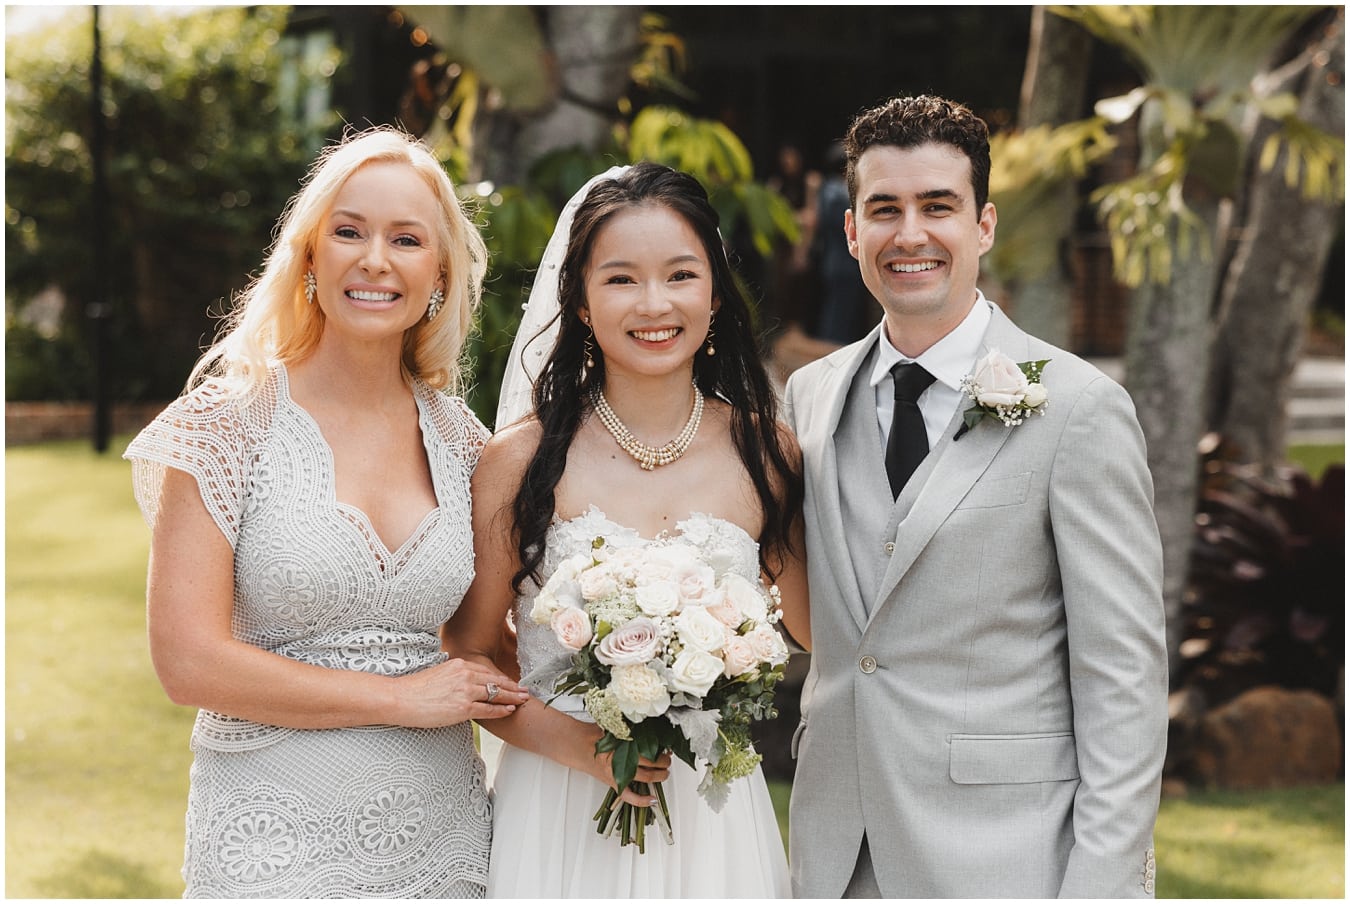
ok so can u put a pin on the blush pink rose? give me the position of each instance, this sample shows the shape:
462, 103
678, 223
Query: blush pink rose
1000, 381
572, 627
635, 642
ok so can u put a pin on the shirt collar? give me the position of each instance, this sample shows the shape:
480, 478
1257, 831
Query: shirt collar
949, 359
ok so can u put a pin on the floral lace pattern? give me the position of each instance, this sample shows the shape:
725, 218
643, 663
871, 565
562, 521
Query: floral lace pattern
376, 811
723, 545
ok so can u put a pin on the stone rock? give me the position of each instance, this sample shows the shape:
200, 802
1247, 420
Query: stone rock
1268, 737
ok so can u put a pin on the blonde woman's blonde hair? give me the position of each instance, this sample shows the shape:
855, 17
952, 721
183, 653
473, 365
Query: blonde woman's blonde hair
271, 321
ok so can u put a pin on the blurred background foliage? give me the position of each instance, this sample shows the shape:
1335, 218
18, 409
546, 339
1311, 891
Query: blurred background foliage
201, 154
212, 116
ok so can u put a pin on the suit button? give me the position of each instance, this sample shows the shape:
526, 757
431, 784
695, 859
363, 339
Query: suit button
867, 664
890, 548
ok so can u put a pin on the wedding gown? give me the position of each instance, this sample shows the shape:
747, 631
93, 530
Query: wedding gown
373, 811
545, 844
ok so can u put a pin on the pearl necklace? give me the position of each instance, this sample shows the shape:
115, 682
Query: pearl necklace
648, 457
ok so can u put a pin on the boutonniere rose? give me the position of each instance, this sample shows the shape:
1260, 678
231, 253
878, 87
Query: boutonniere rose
1004, 390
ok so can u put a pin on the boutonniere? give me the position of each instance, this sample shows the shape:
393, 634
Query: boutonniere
1003, 390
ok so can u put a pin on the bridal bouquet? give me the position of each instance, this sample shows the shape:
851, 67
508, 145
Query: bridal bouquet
671, 651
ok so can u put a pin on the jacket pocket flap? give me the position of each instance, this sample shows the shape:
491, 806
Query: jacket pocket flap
999, 492
1013, 759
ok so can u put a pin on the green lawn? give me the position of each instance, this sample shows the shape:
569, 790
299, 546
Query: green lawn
1314, 459
96, 757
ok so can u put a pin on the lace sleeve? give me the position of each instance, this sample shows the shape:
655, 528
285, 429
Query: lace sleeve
460, 428
204, 434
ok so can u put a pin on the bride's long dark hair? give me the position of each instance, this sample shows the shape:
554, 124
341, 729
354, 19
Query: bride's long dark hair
735, 374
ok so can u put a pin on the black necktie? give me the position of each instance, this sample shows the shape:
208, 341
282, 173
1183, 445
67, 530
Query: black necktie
908, 441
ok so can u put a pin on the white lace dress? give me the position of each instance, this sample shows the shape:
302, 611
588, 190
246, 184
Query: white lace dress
544, 840
377, 811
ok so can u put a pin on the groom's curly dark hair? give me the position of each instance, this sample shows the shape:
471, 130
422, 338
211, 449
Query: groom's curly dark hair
736, 374
908, 122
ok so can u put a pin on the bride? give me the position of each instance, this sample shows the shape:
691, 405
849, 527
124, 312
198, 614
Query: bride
651, 414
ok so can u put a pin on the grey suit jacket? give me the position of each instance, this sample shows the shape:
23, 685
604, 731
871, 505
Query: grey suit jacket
992, 716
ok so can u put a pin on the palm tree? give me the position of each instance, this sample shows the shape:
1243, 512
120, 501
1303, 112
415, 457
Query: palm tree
1168, 223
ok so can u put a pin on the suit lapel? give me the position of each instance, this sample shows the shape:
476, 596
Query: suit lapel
948, 474
823, 474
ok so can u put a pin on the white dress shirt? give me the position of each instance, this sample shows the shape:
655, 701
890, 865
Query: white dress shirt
949, 360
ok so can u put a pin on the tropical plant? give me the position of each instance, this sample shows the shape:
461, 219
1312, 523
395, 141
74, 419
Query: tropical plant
1028, 169
1266, 599
1201, 69
1285, 245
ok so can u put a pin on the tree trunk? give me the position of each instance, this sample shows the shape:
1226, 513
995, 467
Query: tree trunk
1165, 366
1276, 274
1167, 354
1053, 87
594, 48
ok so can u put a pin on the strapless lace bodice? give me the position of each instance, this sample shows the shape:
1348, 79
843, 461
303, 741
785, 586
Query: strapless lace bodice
723, 545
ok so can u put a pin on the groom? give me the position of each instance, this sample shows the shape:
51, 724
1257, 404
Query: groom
986, 709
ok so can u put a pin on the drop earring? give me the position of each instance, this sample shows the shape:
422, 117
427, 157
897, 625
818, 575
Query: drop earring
311, 286
587, 348
711, 350
434, 304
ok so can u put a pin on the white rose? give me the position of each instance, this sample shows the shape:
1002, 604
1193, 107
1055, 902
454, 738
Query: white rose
638, 691
551, 599
632, 643
559, 590
697, 628
1000, 380
625, 563
567, 570
738, 657
767, 645
724, 609
658, 564
695, 581
572, 627
597, 583
694, 671
747, 597
720, 560
660, 598
545, 604
1035, 395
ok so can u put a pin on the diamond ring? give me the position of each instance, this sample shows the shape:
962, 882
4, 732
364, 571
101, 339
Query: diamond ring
492, 691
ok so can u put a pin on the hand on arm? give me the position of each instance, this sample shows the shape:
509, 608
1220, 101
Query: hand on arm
477, 632
190, 603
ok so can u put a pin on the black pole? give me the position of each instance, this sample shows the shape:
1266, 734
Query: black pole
98, 310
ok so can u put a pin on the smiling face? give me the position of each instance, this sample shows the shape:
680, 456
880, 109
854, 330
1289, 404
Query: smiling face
649, 292
918, 239
376, 259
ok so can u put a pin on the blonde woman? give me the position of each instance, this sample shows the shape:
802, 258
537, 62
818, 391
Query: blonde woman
309, 502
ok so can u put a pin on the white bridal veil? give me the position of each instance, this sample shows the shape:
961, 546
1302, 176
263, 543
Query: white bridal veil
540, 324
